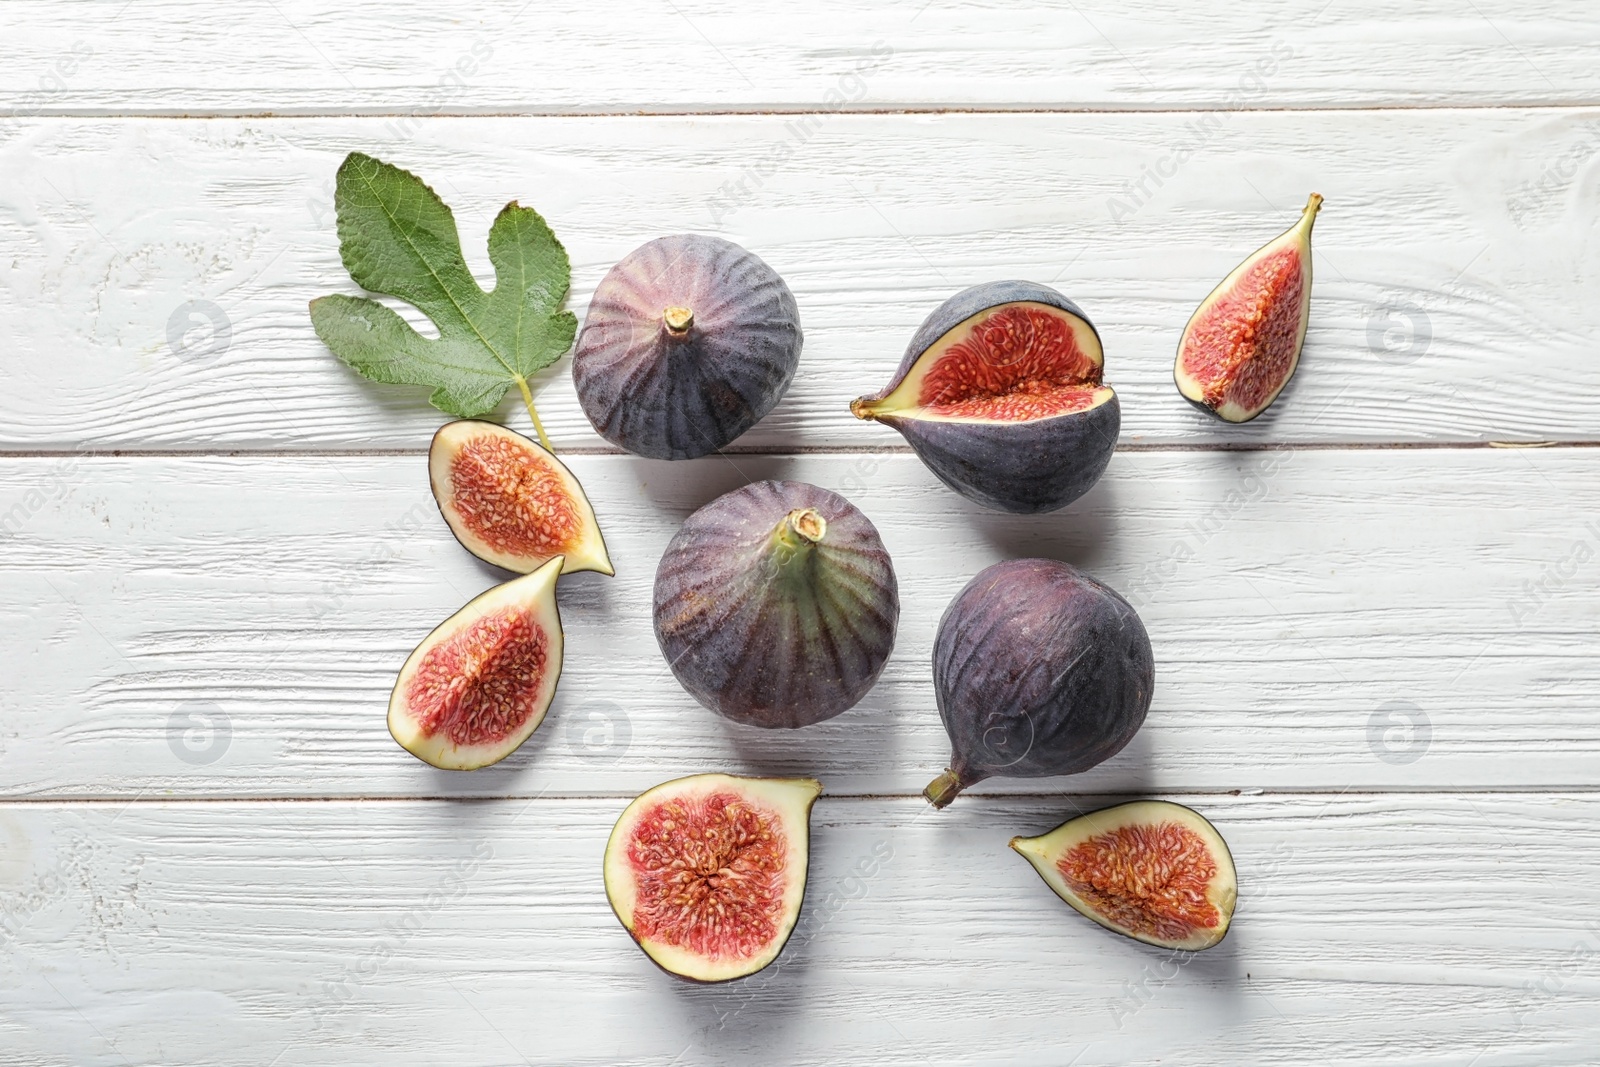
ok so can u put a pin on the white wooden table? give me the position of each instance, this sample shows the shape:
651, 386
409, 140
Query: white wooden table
1375, 626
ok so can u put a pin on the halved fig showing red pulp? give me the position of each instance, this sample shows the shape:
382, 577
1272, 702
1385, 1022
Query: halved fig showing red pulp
1001, 394
510, 502
1155, 871
1242, 344
708, 872
481, 682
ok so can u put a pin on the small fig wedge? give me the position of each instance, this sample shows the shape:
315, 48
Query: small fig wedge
1001, 395
1038, 670
510, 502
776, 604
481, 682
1154, 871
688, 342
1242, 344
708, 872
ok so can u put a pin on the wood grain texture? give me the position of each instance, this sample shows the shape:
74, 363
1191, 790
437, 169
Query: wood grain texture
477, 933
183, 57
159, 270
1321, 619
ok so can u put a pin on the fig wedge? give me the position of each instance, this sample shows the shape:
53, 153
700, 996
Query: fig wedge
707, 873
479, 685
511, 502
1242, 345
1151, 870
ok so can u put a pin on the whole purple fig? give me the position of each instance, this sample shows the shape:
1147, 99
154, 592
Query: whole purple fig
688, 342
1038, 670
776, 604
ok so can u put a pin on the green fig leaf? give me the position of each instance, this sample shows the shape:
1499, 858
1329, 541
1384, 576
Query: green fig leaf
396, 237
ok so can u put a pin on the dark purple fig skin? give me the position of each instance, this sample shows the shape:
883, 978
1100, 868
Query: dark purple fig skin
667, 395
767, 636
1038, 670
1026, 467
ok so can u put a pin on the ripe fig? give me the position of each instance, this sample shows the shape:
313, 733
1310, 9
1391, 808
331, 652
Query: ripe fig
1242, 344
1155, 871
1000, 393
1038, 670
480, 683
776, 604
687, 343
510, 502
707, 872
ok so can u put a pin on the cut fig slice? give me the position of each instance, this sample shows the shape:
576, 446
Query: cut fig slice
776, 604
1242, 345
481, 682
708, 872
1152, 870
1001, 395
510, 502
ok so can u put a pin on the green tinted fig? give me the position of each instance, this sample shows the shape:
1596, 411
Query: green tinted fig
776, 604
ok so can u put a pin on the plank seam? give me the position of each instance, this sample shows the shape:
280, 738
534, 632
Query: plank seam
802, 450
353, 798
428, 112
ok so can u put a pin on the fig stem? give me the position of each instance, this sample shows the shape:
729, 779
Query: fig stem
943, 789
678, 319
1313, 205
533, 413
801, 529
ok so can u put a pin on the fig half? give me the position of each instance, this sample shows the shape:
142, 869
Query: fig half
708, 872
1242, 344
1038, 670
481, 682
1001, 395
510, 502
688, 342
1155, 871
776, 604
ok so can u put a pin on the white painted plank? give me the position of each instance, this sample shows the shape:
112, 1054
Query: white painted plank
180, 56
1455, 268
1370, 929
1322, 619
